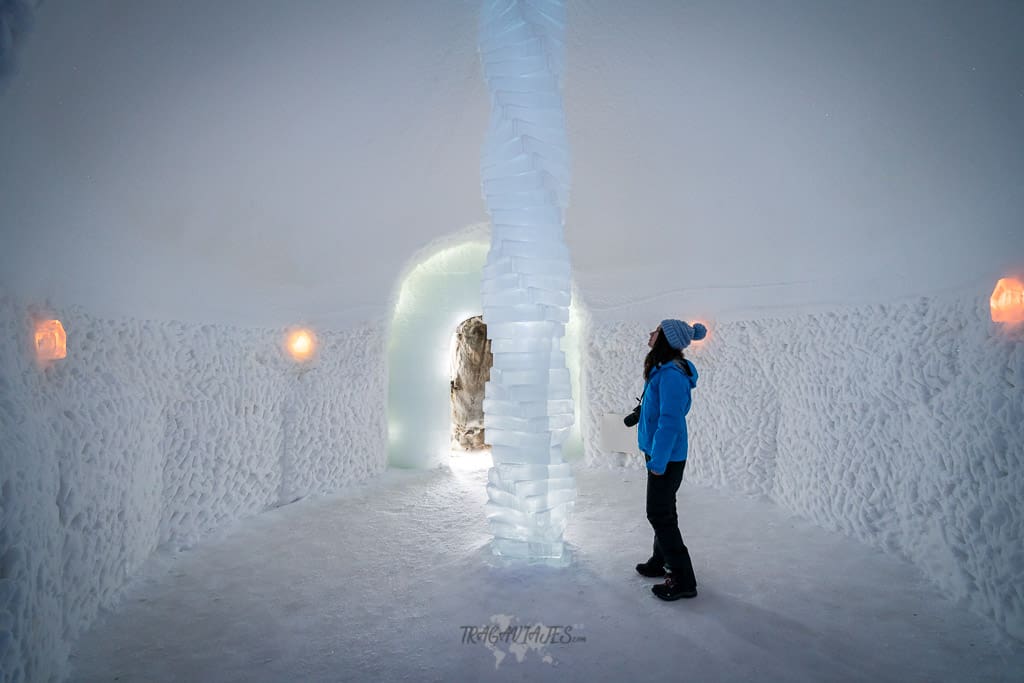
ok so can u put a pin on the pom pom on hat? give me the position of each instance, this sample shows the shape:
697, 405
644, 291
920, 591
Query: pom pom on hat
679, 335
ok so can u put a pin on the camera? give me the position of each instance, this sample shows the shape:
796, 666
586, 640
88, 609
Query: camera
634, 417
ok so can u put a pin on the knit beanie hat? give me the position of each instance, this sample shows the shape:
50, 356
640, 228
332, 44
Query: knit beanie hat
679, 335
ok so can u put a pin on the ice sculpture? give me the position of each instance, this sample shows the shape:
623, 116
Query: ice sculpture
528, 408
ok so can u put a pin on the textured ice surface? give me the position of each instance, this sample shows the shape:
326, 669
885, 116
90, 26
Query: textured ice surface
525, 282
900, 425
152, 435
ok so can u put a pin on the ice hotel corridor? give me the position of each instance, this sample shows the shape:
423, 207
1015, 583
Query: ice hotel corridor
238, 236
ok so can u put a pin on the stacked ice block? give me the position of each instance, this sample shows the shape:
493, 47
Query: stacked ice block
528, 409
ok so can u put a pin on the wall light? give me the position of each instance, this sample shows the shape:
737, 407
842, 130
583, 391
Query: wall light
301, 344
1007, 301
51, 340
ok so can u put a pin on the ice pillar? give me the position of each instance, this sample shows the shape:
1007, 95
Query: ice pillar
528, 409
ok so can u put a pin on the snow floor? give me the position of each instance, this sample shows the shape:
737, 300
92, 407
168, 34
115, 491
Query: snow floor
377, 582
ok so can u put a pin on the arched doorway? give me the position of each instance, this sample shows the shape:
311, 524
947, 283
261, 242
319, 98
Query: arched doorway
435, 296
437, 293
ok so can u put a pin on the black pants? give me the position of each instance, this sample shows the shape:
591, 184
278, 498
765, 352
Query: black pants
669, 549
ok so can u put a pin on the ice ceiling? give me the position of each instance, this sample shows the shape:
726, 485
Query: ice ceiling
262, 162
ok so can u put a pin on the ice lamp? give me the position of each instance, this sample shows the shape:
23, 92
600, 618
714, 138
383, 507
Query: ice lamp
301, 344
1007, 301
51, 340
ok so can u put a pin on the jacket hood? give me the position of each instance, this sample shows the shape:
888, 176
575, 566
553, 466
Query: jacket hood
677, 366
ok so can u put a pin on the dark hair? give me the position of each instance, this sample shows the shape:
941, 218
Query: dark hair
661, 353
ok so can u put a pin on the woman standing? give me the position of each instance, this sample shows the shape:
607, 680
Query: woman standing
661, 434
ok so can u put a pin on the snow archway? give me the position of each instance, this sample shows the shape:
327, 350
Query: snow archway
434, 297
437, 292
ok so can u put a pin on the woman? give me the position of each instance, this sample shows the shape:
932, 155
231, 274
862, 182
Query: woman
661, 434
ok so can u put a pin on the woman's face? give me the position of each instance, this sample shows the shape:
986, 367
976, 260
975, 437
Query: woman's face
654, 336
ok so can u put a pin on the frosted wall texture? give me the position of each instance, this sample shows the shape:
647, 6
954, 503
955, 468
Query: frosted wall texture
528, 409
901, 426
152, 434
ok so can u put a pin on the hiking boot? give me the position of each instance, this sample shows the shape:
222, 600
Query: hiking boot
650, 568
673, 590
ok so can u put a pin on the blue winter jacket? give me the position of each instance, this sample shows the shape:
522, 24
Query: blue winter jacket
661, 432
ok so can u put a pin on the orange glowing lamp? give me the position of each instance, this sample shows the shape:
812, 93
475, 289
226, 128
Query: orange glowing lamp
1008, 301
301, 344
51, 340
